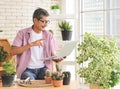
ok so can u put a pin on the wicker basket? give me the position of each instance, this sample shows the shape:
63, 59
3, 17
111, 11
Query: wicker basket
34, 83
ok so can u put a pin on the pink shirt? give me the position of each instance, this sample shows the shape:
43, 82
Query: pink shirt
23, 38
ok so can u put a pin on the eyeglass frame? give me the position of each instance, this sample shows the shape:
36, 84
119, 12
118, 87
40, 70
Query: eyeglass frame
44, 21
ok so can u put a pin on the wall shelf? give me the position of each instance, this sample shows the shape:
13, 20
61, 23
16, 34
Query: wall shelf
62, 16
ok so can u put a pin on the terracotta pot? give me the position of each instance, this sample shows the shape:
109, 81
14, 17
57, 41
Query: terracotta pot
57, 83
0, 83
94, 86
0, 64
48, 80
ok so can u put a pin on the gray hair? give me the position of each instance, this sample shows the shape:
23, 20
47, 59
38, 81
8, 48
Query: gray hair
39, 12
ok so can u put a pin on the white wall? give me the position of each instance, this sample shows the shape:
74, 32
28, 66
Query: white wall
17, 14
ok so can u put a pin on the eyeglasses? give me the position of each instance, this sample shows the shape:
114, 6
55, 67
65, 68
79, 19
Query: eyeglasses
44, 21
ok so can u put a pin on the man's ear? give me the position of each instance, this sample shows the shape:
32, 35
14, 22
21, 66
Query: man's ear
35, 20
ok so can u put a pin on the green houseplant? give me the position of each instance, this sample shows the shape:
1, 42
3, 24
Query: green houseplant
55, 6
57, 77
3, 54
48, 73
102, 55
55, 9
50, 30
48, 76
1, 30
66, 31
8, 76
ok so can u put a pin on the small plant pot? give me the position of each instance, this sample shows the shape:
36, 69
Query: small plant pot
56, 11
7, 80
67, 77
94, 86
0, 63
0, 83
66, 81
48, 80
57, 83
66, 35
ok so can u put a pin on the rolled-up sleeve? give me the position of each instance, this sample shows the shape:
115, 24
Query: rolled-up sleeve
18, 40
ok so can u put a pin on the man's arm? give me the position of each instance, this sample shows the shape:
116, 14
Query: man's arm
18, 50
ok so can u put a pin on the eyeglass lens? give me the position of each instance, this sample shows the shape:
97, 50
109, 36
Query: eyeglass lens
45, 21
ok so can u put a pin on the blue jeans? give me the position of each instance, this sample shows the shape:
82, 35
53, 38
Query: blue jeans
34, 74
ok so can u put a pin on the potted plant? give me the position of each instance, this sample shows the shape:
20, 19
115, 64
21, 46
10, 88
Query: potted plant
66, 31
1, 30
3, 55
67, 77
8, 76
50, 30
57, 77
48, 76
55, 9
102, 56
1, 33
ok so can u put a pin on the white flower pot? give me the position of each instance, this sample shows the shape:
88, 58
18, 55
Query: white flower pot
56, 11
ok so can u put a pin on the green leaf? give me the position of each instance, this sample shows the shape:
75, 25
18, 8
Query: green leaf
103, 57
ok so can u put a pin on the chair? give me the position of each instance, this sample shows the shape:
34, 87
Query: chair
5, 43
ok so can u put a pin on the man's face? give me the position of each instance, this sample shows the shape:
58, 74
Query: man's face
41, 24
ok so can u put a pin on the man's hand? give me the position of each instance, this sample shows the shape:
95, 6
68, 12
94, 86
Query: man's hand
37, 43
59, 59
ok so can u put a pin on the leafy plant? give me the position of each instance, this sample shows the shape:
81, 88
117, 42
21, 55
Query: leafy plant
48, 73
48, 76
102, 55
115, 75
51, 31
1, 30
3, 54
64, 25
9, 67
58, 69
57, 75
56, 6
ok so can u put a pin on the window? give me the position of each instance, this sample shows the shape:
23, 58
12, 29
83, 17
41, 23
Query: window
69, 12
100, 17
